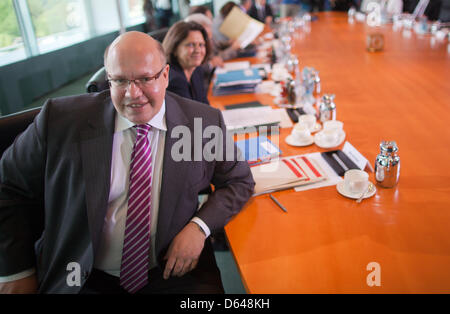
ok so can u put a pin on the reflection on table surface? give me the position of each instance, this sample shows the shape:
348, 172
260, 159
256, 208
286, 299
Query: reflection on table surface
325, 243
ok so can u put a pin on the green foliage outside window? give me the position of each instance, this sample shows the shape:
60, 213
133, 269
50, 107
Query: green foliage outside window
9, 28
51, 16
48, 17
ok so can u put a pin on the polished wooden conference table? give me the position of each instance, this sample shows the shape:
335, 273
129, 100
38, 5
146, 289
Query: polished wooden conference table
326, 241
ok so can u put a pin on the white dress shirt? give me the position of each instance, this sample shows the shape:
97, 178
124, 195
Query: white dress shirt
109, 255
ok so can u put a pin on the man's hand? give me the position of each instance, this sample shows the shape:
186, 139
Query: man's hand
27, 285
184, 251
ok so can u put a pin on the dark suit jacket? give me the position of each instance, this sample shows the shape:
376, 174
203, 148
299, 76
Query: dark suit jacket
179, 85
253, 12
55, 182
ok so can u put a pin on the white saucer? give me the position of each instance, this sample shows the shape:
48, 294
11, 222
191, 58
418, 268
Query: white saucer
343, 191
318, 139
292, 142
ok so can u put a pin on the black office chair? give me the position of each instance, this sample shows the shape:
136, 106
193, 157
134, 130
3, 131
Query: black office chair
14, 124
97, 82
444, 14
159, 34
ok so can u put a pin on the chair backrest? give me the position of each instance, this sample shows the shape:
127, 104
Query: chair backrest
444, 14
159, 34
14, 124
97, 82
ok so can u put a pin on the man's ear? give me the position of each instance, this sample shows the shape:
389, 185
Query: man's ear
166, 74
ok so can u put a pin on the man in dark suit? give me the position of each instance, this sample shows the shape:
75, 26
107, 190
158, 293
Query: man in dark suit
65, 186
261, 11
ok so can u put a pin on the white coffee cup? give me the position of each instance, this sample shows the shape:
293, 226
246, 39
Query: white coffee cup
308, 119
356, 181
333, 125
300, 132
329, 136
278, 72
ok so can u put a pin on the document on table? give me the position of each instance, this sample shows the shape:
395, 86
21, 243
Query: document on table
332, 177
233, 66
285, 121
285, 173
237, 77
250, 117
257, 150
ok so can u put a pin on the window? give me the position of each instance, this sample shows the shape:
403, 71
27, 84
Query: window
11, 43
58, 23
193, 3
105, 16
33, 27
135, 12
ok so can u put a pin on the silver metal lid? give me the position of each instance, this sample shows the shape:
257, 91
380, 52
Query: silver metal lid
388, 146
327, 100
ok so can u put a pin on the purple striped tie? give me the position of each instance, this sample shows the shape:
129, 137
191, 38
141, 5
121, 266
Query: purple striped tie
136, 243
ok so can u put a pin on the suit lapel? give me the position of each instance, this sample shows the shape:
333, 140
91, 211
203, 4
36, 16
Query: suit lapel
173, 174
96, 153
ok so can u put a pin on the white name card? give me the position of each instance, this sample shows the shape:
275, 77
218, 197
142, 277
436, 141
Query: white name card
360, 161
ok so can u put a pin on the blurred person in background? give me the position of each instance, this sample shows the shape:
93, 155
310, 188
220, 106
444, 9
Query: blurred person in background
163, 12
261, 11
245, 5
203, 9
149, 16
290, 8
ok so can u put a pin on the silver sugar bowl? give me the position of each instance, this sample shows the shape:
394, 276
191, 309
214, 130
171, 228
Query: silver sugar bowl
327, 108
387, 165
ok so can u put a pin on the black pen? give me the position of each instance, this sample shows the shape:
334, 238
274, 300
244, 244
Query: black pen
278, 203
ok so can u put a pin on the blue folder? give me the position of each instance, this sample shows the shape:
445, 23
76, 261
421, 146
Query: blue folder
254, 149
238, 77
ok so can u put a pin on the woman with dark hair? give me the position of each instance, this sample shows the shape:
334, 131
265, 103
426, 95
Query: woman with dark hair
187, 47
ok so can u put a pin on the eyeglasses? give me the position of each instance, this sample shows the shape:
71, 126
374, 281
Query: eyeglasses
140, 82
